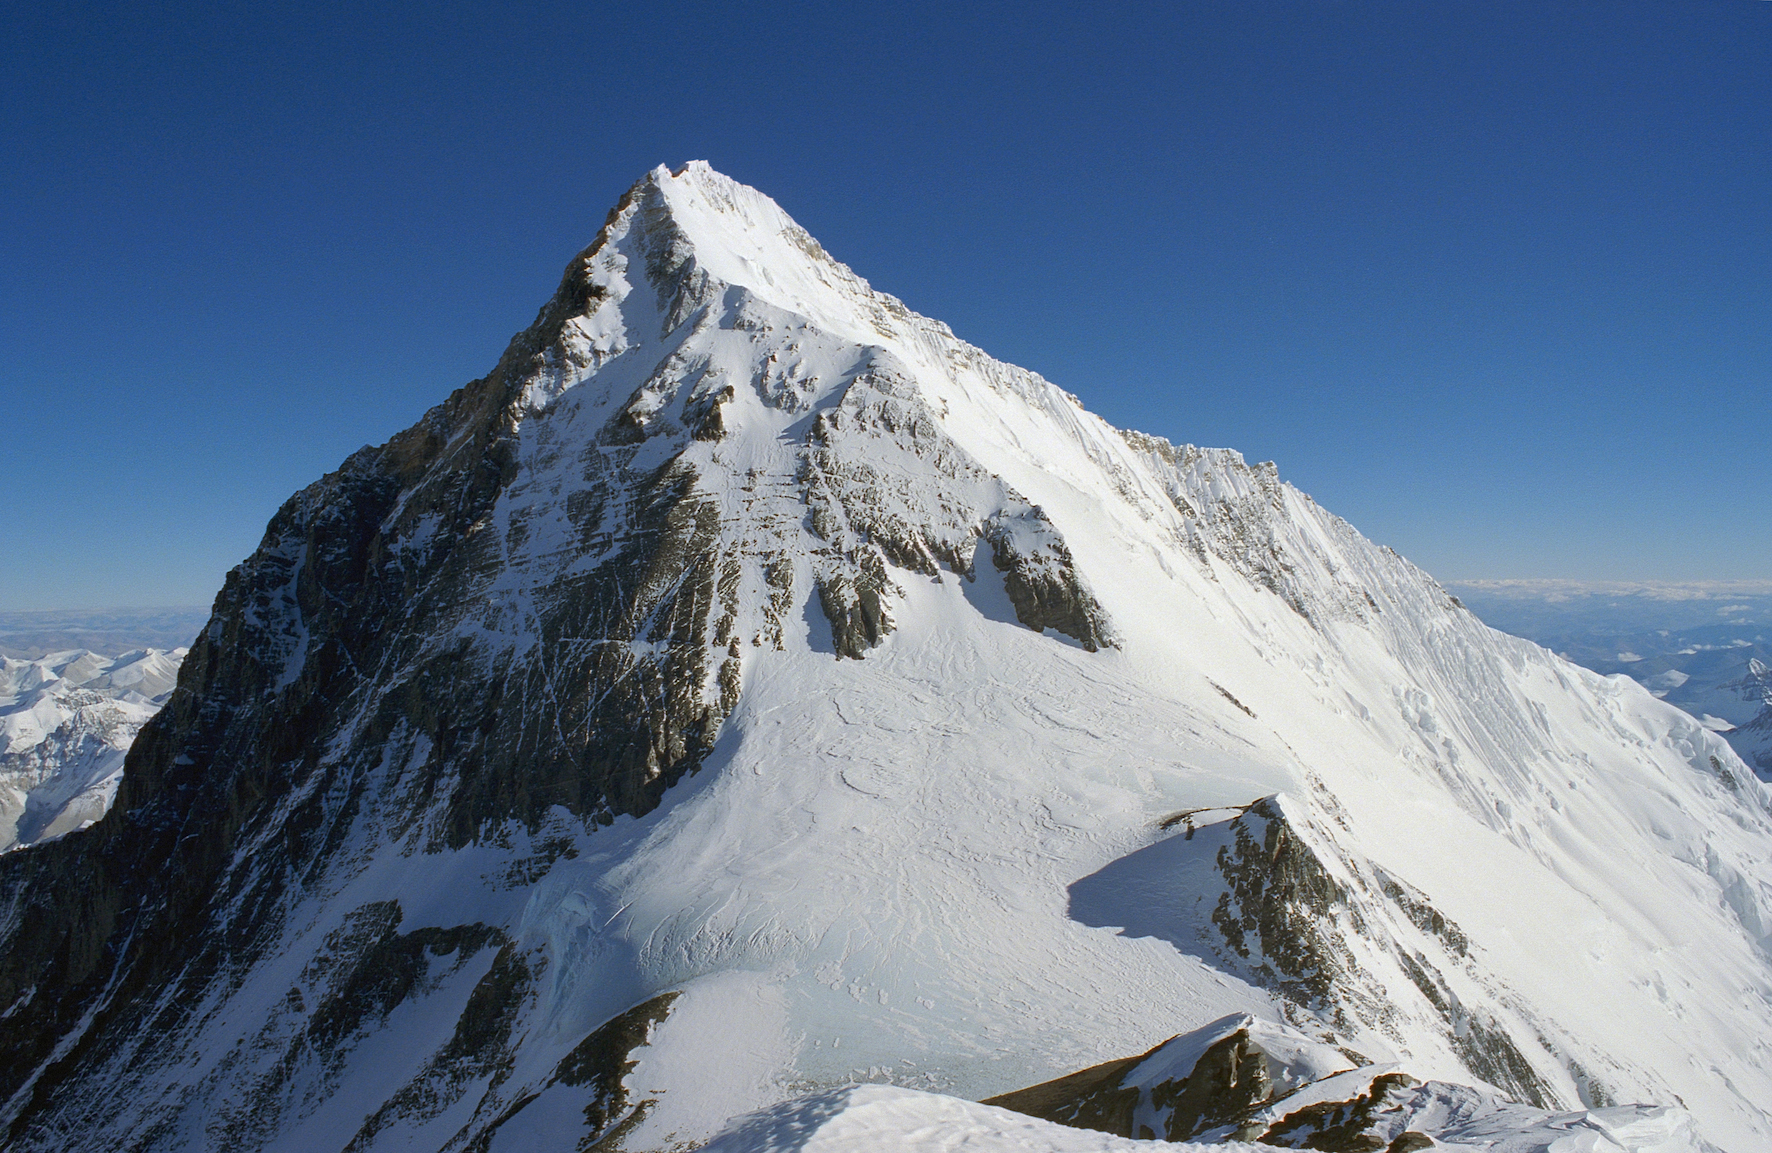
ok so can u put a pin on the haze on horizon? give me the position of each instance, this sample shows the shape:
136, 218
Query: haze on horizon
1488, 280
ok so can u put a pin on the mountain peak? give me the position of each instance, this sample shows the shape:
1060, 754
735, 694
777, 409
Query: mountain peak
748, 674
698, 232
739, 235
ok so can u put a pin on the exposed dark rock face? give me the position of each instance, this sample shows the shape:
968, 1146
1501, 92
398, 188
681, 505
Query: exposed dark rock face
883, 483
601, 1061
1425, 917
1229, 1081
1290, 921
1485, 1048
1343, 942
1228, 1091
1338, 1126
479, 1048
1043, 583
856, 606
1277, 904
1092, 1098
596, 1066
1251, 1084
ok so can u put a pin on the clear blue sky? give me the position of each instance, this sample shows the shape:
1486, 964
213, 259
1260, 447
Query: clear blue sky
1491, 279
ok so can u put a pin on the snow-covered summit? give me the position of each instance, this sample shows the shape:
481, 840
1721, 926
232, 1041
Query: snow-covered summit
1753, 740
736, 236
748, 687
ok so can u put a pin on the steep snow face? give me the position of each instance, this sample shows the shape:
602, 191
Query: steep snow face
66, 720
749, 686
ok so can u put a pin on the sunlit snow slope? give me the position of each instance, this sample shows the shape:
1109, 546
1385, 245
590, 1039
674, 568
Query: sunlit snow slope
752, 681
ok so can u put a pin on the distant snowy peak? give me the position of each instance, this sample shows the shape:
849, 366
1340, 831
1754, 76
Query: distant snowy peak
66, 720
1753, 740
141, 676
1757, 684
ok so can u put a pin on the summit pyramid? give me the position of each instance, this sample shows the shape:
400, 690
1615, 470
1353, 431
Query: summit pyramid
749, 688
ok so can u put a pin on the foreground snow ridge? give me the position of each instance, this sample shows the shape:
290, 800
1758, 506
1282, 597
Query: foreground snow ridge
886, 1119
749, 689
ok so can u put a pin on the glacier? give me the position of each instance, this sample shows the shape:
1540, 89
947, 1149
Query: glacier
750, 689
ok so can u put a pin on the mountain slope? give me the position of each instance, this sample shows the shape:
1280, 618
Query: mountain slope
748, 686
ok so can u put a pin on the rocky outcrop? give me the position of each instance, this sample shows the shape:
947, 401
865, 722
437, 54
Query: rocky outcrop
1241, 1079
884, 484
1341, 940
1240, 514
856, 606
1279, 906
1214, 1078
594, 1076
1247, 1079
1042, 580
1300, 931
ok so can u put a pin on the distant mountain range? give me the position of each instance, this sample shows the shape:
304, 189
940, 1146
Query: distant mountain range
108, 632
1701, 645
66, 721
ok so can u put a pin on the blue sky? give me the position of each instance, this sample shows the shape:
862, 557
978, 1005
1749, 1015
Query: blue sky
1492, 280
